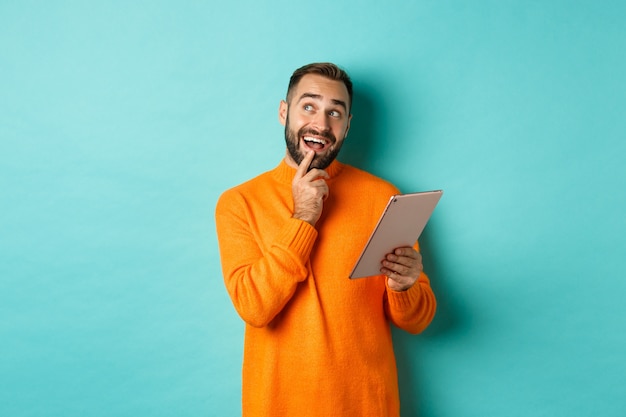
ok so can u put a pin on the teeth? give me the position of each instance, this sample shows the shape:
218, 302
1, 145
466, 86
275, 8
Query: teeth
316, 140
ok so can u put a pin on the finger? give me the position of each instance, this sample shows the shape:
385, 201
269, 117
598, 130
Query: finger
399, 269
324, 189
304, 165
396, 277
318, 188
407, 251
398, 283
405, 256
404, 265
316, 174
404, 261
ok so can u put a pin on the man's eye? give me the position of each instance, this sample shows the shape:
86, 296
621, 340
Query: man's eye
334, 113
308, 107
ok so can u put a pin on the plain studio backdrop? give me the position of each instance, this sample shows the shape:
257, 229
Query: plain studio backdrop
122, 122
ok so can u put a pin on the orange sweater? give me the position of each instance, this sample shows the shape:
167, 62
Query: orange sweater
316, 342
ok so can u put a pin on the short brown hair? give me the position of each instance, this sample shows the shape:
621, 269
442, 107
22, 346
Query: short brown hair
325, 69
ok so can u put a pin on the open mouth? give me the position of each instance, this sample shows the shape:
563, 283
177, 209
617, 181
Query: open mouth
315, 143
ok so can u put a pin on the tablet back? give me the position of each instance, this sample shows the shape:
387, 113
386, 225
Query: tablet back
400, 225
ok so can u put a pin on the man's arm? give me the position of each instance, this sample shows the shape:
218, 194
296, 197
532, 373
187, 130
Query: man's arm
409, 301
260, 284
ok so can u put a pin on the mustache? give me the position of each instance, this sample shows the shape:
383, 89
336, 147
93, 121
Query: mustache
326, 134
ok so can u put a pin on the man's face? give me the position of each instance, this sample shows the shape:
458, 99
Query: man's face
315, 118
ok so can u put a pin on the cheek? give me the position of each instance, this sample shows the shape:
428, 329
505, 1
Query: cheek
297, 123
341, 131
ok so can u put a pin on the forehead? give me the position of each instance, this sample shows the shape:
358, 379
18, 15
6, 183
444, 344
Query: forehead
324, 87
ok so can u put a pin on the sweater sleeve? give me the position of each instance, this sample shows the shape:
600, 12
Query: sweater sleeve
411, 310
260, 283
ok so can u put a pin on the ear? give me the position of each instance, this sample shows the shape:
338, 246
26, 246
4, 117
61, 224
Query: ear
282, 112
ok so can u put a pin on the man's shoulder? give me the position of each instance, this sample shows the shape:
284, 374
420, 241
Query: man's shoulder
250, 183
253, 189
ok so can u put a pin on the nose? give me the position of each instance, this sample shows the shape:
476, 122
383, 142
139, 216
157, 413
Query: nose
321, 121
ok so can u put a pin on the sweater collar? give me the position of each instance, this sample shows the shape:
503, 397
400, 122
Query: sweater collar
285, 173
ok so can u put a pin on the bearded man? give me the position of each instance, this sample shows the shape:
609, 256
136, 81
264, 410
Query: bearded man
317, 343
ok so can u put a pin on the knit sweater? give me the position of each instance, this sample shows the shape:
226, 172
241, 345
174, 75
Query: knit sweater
316, 343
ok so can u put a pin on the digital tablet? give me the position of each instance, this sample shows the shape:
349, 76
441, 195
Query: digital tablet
401, 223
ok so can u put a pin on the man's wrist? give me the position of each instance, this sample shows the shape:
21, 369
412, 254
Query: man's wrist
309, 219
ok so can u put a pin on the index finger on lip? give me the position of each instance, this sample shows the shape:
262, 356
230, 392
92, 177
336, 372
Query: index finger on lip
304, 165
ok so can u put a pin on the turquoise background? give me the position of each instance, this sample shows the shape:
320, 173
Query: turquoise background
122, 122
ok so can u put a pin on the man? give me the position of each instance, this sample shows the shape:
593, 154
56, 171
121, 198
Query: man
316, 342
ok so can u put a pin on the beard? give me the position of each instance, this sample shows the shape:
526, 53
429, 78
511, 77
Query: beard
320, 161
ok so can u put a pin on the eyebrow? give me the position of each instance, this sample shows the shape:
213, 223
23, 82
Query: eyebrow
319, 97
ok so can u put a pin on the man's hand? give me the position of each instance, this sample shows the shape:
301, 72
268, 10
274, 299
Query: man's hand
309, 189
402, 268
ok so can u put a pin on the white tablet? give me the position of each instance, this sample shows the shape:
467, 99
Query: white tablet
401, 223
